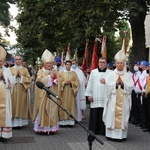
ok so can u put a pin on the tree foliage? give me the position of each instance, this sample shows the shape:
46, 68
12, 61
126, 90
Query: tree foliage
137, 16
52, 24
4, 12
5, 16
135, 12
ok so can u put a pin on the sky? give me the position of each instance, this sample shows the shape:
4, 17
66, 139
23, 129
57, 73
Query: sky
12, 39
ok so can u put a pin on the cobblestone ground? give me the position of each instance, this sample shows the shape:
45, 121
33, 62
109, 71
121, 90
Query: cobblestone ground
73, 139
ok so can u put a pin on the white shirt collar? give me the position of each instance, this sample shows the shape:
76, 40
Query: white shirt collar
17, 66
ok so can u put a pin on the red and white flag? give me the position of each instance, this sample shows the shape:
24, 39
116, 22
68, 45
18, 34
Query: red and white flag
94, 62
84, 63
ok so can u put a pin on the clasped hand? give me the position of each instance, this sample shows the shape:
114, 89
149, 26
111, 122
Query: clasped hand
18, 74
102, 81
1, 76
119, 81
68, 82
53, 74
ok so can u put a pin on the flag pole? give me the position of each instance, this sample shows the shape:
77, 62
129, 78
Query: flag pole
103, 47
125, 42
85, 56
86, 51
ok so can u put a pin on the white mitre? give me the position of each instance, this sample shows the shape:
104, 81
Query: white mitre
2, 53
47, 56
120, 56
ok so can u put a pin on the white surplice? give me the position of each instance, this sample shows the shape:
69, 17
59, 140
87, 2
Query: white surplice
110, 105
95, 88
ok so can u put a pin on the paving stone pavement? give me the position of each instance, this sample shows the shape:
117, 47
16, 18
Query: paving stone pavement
73, 139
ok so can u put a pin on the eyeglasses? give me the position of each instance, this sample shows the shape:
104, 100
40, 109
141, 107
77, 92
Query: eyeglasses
102, 62
17, 59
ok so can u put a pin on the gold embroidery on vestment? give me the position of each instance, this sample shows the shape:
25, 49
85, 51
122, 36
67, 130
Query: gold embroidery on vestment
119, 106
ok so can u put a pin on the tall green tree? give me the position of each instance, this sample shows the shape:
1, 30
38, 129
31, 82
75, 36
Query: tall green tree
5, 16
53, 24
137, 14
38, 25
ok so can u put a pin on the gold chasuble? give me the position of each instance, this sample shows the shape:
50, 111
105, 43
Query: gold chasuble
68, 93
44, 108
2, 104
119, 105
20, 95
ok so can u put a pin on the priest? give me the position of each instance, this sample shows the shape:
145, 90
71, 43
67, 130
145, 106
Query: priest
21, 104
95, 93
119, 85
68, 85
45, 112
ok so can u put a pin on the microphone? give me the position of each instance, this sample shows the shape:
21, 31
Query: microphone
41, 86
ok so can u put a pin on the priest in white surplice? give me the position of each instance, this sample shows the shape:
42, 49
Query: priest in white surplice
95, 93
119, 85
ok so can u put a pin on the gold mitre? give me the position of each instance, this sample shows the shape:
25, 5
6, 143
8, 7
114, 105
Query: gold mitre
120, 56
2, 53
47, 56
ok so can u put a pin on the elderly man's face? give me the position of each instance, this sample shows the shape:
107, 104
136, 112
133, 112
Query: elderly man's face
120, 66
48, 65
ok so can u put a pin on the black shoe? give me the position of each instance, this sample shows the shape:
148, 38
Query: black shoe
118, 140
138, 125
146, 130
135, 122
110, 139
17, 128
143, 127
2, 139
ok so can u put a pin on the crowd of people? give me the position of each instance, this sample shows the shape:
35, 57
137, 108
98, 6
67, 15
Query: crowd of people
115, 95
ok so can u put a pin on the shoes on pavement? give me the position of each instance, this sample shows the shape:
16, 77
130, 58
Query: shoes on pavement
2, 139
138, 125
143, 127
146, 130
